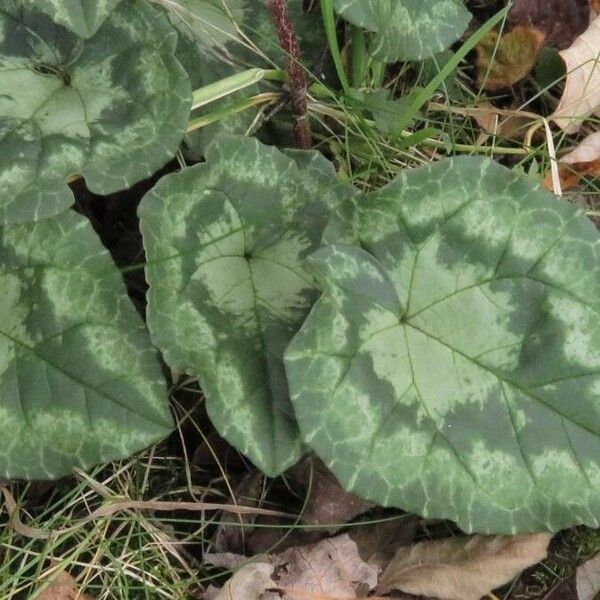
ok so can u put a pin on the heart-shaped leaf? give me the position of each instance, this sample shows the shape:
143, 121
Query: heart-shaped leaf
84, 17
79, 381
452, 365
113, 107
407, 29
225, 244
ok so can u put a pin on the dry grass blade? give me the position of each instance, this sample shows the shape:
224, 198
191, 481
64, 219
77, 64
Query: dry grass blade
121, 505
462, 568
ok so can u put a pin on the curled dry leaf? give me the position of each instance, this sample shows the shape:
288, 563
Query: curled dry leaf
503, 122
462, 568
63, 587
584, 161
581, 96
503, 60
587, 579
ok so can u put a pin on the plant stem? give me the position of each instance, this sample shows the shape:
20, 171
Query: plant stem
334, 48
297, 80
359, 56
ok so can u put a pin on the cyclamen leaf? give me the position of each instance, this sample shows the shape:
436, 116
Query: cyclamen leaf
84, 17
80, 383
112, 108
225, 244
452, 365
407, 29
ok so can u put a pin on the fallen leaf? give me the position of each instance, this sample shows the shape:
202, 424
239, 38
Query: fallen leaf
587, 579
63, 587
462, 568
584, 161
331, 567
509, 123
249, 583
560, 20
378, 543
503, 60
328, 503
581, 96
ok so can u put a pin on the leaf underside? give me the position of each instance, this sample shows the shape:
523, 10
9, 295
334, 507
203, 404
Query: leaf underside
452, 365
112, 108
80, 383
407, 29
225, 243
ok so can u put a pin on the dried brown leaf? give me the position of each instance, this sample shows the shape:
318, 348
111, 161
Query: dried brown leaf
584, 161
503, 60
251, 582
587, 579
560, 20
63, 587
331, 567
462, 568
581, 96
496, 121
328, 503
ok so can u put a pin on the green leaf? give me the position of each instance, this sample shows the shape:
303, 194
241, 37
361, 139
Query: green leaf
407, 29
452, 364
112, 108
212, 48
225, 244
83, 17
80, 383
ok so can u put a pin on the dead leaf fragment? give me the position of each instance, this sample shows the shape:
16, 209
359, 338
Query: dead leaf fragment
331, 567
249, 583
581, 96
560, 20
328, 503
462, 568
63, 587
587, 579
584, 161
503, 60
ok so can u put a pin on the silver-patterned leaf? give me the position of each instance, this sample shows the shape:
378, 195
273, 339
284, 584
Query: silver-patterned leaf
80, 383
407, 29
225, 244
112, 108
84, 17
452, 365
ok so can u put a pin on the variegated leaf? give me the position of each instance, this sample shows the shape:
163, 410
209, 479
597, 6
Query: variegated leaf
407, 29
84, 17
452, 365
225, 244
214, 44
112, 108
79, 381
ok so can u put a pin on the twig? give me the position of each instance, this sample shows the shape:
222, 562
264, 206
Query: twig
297, 80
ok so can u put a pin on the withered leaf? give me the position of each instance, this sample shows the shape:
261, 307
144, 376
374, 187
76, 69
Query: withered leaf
587, 579
462, 568
62, 587
249, 583
331, 567
503, 60
581, 96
